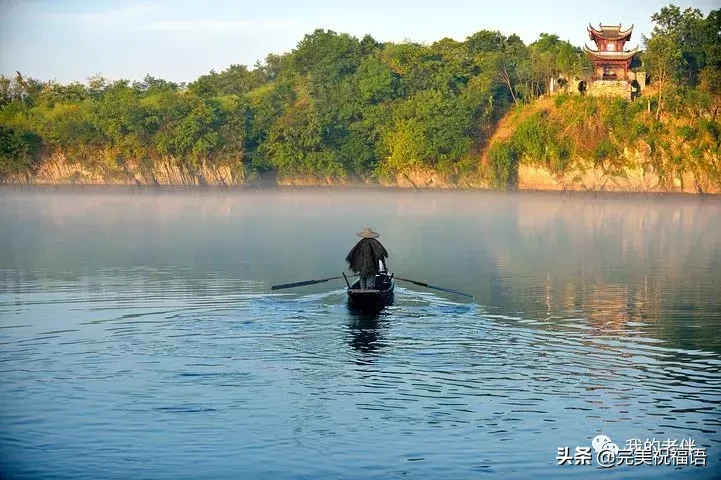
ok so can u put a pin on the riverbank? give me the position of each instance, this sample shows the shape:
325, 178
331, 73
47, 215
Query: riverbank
562, 143
58, 172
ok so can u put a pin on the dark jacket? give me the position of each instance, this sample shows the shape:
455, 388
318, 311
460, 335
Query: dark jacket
364, 256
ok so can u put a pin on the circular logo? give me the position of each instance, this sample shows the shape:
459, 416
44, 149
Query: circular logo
603, 442
599, 441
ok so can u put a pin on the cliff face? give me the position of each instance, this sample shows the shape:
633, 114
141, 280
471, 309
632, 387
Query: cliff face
637, 179
57, 170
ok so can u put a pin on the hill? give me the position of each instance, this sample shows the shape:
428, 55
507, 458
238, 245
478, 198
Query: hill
607, 144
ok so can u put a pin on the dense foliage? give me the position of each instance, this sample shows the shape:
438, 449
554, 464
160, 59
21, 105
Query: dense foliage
335, 107
338, 107
685, 48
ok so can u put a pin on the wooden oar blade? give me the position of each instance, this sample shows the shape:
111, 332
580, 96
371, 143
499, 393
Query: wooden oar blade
297, 284
423, 284
450, 290
303, 283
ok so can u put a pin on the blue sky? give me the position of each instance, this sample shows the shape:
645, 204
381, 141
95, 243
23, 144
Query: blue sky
180, 40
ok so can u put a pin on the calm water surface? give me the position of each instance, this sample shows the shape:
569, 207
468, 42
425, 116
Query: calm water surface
139, 337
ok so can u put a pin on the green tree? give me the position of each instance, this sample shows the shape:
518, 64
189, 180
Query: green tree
18, 151
663, 57
5, 91
235, 80
151, 85
485, 41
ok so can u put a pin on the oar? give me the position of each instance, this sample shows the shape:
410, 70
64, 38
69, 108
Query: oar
424, 284
306, 282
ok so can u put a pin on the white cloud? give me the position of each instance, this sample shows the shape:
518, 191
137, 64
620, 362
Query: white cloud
103, 18
219, 25
145, 17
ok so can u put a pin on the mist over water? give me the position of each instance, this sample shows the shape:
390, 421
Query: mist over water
139, 336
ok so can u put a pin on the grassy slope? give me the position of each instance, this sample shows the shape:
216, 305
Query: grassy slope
584, 143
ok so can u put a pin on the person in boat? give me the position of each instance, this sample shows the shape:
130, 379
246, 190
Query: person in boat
367, 257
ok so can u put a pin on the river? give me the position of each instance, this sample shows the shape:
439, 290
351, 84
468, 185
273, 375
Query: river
139, 337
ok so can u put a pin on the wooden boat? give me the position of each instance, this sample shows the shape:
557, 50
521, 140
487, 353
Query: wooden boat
375, 299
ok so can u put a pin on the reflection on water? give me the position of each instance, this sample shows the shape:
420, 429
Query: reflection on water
366, 334
138, 335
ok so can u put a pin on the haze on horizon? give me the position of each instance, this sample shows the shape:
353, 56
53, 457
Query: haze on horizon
178, 41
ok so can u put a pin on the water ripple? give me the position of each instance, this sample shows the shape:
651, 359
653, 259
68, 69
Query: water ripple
235, 371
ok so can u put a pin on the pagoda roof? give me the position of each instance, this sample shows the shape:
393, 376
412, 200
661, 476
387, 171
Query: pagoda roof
609, 32
610, 55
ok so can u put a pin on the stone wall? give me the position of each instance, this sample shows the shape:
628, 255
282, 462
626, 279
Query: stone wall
610, 88
598, 88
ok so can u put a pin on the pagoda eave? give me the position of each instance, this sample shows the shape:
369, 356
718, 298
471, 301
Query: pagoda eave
606, 56
610, 33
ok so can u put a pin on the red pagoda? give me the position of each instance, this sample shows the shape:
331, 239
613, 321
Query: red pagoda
610, 60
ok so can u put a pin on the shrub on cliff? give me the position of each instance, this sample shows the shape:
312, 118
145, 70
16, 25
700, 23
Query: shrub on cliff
503, 157
541, 142
612, 135
18, 151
